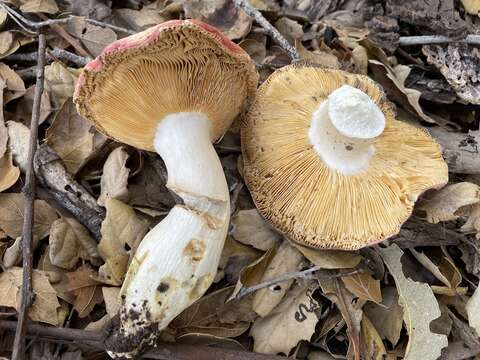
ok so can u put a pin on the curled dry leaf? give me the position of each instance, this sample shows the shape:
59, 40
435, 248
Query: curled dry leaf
114, 179
294, 319
420, 308
36, 6
9, 173
250, 228
59, 83
57, 277
387, 317
444, 204
45, 303
120, 229
70, 137
371, 345
11, 215
87, 291
10, 41
70, 241
93, 37
23, 112
15, 87
13, 254
286, 259
223, 14
364, 286
330, 259
19, 140
235, 256
473, 306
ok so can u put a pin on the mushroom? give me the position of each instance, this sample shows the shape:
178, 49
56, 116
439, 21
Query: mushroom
173, 89
328, 164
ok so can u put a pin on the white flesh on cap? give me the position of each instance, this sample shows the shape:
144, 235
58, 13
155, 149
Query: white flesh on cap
344, 128
177, 260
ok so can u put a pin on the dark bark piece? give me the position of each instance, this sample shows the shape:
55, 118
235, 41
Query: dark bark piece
460, 65
429, 16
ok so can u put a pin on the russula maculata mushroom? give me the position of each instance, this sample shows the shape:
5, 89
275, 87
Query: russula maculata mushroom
328, 164
174, 89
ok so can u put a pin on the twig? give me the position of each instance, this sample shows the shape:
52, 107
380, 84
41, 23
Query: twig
304, 274
29, 193
437, 39
56, 53
165, 351
274, 33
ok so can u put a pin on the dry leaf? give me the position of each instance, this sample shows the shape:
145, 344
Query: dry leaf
472, 307
121, 227
70, 137
18, 143
93, 37
251, 229
112, 300
471, 6
235, 256
13, 254
59, 82
371, 346
7, 44
138, 20
15, 87
255, 46
286, 259
86, 290
43, 6
114, 179
293, 320
330, 259
45, 303
445, 202
420, 309
473, 222
11, 216
319, 355
57, 277
364, 286
70, 241
9, 173
23, 112
387, 317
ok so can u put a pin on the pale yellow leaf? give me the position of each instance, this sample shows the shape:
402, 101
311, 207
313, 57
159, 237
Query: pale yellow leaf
364, 286
45, 304
251, 229
9, 173
114, 179
43, 6
293, 320
15, 87
420, 309
330, 259
18, 143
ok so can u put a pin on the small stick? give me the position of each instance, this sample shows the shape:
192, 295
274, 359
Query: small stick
437, 39
29, 193
56, 53
269, 28
304, 274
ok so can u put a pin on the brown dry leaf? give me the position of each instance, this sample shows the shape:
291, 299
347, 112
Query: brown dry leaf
420, 309
210, 340
223, 14
15, 87
114, 179
45, 303
444, 204
138, 20
3, 17
43, 6
93, 37
294, 319
319, 57
7, 44
9, 173
11, 215
23, 111
330, 259
393, 80
290, 29
13, 254
87, 291
372, 345
255, 45
473, 304
121, 227
59, 82
56, 276
70, 241
364, 286
70, 137
387, 317
351, 311
251, 229
235, 256
286, 259
18, 143
319, 355
202, 317
472, 225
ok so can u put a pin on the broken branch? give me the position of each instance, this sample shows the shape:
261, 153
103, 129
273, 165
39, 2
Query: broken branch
437, 39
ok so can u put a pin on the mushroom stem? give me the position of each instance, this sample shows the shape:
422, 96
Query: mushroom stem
177, 260
344, 128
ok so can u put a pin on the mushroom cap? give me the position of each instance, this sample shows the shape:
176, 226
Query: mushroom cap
176, 66
312, 204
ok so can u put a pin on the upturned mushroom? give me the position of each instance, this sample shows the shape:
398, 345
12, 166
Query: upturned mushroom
174, 89
328, 164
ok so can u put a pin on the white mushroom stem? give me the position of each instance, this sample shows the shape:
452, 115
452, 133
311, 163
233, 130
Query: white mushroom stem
177, 260
344, 128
